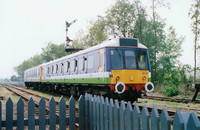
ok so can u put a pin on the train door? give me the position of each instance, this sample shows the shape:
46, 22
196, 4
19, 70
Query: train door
101, 60
40, 73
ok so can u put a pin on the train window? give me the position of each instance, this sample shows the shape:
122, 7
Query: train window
62, 68
38, 72
90, 61
101, 61
85, 63
80, 64
68, 66
72, 65
130, 59
75, 65
142, 60
52, 69
47, 70
56, 68
116, 59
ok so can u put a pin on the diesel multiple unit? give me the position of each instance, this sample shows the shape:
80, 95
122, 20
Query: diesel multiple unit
117, 68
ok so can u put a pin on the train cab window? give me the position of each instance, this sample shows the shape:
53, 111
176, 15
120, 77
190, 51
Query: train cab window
90, 61
142, 60
80, 64
130, 59
116, 59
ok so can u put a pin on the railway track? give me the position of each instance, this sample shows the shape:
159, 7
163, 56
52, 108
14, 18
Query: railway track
25, 94
178, 100
170, 112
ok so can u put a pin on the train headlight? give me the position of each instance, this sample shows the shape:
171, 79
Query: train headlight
119, 87
149, 87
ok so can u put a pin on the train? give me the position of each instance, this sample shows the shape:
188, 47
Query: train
117, 68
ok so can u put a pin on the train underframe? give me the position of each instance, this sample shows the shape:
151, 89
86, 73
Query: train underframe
80, 89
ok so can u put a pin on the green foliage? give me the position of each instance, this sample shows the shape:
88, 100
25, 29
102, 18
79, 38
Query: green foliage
50, 52
96, 35
15, 78
171, 91
53, 51
120, 19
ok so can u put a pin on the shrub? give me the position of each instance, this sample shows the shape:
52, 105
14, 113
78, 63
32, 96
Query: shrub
171, 91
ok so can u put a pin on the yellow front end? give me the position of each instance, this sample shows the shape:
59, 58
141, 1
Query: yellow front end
130, 76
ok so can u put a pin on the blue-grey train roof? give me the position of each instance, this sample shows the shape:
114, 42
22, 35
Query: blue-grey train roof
115, 42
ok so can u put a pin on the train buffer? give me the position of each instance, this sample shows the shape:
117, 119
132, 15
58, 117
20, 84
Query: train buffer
197, 87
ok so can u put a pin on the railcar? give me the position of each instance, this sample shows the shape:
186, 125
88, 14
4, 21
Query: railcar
117, 68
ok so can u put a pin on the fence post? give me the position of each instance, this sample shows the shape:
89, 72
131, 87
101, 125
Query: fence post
193, 122
62, 113
0, 115
178, 123
136, 118
42, 114
31, 114
128, 118
72, 113
98, 113
106, 112
155, 119
111, 114
86, 111
165, 120
20, 114
9, 114
145, 118
92, 111
116, 115
121, 115
81, 103
52, 114
102, 113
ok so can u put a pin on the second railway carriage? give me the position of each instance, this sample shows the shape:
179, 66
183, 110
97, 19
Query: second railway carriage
117, 68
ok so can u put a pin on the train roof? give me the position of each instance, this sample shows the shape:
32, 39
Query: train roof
115, 42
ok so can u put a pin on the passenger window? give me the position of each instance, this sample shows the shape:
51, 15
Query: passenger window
68, 66
101, 61
72, 65
90, 61
56, 68
80, 64
85, 63
62, 68
52, 69
75, 65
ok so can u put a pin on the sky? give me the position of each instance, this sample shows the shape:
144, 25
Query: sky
27, 26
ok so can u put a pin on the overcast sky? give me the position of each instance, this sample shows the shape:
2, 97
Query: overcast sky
27, 26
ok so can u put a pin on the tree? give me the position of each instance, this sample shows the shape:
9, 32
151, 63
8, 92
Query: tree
121, 19
26, 64
170, 51
96, 34
155, 5
194, 13
53, 51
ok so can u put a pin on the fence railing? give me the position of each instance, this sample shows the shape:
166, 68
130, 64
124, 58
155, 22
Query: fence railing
95, 113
